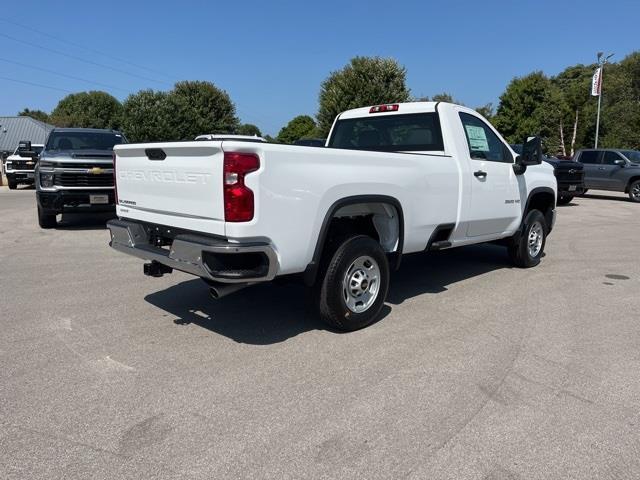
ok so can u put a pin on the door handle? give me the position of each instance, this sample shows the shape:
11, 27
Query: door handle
601, 168
480, 174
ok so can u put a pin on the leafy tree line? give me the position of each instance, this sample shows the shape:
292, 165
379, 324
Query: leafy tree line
561, 109
558, 108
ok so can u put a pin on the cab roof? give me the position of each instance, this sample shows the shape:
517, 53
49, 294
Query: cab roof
403, 108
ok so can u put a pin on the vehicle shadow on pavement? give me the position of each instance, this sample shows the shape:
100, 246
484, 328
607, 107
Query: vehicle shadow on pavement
433, 272
84, 221
607, 197
258, 315
272, 313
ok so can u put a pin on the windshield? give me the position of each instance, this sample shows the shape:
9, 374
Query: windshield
389, 133
633, 155
59, 141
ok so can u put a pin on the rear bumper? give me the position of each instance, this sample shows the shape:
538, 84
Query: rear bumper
210, 258
570, 189
76, 201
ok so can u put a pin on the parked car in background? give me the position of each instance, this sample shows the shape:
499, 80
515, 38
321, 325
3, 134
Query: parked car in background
75, 173
311, 142
611, 169
569, 176
20, 166
393, 179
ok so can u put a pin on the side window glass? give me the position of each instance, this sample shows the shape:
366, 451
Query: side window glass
589, 156
610, 158
483, 143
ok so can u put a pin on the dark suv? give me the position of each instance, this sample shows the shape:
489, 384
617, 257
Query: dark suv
75, 173
569, 175
611, 169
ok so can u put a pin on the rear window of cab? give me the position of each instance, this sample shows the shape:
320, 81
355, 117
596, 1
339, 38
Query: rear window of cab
389, 133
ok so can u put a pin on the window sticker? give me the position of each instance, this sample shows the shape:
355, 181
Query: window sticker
477, 138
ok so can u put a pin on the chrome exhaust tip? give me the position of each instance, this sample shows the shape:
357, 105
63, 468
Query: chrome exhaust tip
222, 290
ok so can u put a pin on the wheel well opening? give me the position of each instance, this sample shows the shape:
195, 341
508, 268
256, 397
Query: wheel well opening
543, 201
631, 180
377, 220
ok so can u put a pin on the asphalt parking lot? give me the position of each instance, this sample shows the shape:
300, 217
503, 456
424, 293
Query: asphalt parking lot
477, 371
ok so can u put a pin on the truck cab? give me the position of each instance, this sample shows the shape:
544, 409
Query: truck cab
75, 173
20, 166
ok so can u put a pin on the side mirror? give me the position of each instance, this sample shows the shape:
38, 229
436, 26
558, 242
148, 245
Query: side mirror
619, 162
531, 152
24, 146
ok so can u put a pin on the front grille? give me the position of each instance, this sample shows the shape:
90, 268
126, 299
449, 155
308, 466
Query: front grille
22, 165
73, 179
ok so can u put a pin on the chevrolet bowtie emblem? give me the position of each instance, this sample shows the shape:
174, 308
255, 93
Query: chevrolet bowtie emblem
96, 171
572, 171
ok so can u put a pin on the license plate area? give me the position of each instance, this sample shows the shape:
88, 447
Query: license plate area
98, 199
572, 188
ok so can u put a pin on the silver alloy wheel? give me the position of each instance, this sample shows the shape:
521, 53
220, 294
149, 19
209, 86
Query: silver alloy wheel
635, 191
536, 235
361, 284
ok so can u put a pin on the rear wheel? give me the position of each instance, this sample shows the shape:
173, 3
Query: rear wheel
564, 200
352, 291
528, 247
46, 220
634, 191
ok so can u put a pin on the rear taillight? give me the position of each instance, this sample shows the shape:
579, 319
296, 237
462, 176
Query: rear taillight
115, 179
384, 108
238, 198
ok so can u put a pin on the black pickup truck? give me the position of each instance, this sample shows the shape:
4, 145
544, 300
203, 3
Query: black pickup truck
569, 175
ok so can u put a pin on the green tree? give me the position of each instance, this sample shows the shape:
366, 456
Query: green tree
146, 117
518, 114
93, 109
364, 81
249, 129
620, 115
198, 108
486, 111
302, 126
36, 114
444, 97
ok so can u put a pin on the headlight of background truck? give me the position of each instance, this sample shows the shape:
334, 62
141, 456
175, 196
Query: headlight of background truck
46, 180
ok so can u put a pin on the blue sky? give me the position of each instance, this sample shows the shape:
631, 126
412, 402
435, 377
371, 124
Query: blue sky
272, 56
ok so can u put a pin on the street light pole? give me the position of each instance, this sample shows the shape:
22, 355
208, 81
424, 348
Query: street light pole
601, 63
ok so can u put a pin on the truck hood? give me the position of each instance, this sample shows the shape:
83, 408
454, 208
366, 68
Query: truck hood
70, 155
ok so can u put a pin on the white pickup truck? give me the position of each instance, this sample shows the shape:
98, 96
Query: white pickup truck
392, 180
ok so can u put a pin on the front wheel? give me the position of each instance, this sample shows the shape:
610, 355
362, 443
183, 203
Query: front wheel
355, 284
12, 185
46, 220
528, 247
634, 191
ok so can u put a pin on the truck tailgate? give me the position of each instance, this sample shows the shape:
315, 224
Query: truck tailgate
178, 184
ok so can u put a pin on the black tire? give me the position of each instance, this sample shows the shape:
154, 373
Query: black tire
330, 290
519, 252
564, 200
12, 185
634, 191
46, 220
